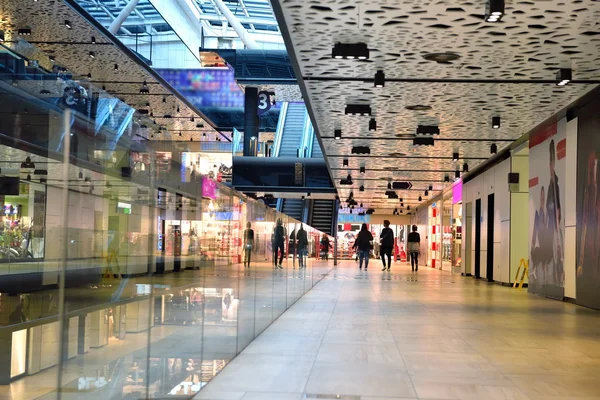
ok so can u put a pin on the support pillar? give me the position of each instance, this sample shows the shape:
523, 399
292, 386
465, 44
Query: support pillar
250, 120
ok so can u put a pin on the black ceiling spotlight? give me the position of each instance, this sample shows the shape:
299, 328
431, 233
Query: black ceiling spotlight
200, 125
361, 205
52, 59
401, 203
389, 186
395, 211
68, 24
426, 193
1, 35
24, 31
89, 75
430, 187
28, 163
93, 39
446, 178
423, 141
420, 198
496, 122
144, 89
372, 125
362, 170
345, 162
494, 10
455, 156
92, 54
337, 134
379, 79
361, 150
564, 76
347, 181
358, 109
457, 174
408, 208
350, 51
465, 167
308, 194
361, 189
493, 148
116, 68
428, 130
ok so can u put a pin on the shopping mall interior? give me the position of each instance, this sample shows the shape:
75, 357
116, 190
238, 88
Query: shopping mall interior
292, 199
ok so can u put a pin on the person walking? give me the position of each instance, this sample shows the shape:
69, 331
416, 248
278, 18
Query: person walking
248, 244
386, 239
414, 248
278, 243
363, 243
325, 246
302, 238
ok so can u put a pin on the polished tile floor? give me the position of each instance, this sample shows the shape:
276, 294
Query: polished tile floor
427, 335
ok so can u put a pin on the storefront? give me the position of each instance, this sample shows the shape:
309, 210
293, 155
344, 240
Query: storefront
217, 166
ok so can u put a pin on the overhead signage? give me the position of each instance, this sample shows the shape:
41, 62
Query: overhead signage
264, 102
354, 218
347, 210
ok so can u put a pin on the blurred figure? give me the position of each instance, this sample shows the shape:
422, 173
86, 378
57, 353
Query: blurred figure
325, 246
363, 243
387, 244
414, 248
302, 238
278, 243
248, 244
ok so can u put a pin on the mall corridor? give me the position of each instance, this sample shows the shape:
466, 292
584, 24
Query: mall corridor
427, 335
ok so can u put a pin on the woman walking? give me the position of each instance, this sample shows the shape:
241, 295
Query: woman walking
363, 243
387, 244
414, 248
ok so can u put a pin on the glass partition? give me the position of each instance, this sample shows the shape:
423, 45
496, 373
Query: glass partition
123, 277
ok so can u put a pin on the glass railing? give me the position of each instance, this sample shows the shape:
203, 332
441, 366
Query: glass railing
126, 272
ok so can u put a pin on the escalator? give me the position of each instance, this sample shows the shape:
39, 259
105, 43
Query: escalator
316, 151
293, 208
292, 130
322, 215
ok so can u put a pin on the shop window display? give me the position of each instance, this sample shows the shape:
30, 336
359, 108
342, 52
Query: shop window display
22, 222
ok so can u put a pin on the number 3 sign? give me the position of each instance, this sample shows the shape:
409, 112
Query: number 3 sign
264, 102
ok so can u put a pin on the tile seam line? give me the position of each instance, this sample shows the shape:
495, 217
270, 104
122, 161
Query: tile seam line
412, 384
324, 333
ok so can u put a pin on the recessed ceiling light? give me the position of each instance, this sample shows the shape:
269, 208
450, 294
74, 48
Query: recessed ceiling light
358, 109
379, 79
24, 31
337, 134
418, 107
423, 141
350, 51
496, 122
564, 76
428, 130
494, 10
441, 58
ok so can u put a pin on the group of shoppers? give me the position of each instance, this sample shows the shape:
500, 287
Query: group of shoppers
364, 244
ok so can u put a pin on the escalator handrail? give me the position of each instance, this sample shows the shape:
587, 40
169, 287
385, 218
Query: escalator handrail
279, 130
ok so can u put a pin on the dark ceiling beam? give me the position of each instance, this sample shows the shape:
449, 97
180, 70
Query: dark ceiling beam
394, 170
442, 80
412, 138
407, 156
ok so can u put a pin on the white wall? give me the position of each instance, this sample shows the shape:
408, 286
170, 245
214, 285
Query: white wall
519, 213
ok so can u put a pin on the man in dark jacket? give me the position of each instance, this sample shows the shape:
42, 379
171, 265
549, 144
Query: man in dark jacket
387, 244
302, 238
363, 243
278, 243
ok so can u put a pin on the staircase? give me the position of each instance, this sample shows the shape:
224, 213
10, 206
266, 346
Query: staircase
293, 208
322, 215
293, 127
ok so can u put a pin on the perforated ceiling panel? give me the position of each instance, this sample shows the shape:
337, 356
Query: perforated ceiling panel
533, 40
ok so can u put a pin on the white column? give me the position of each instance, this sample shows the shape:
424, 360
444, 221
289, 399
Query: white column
236, 25
128, 9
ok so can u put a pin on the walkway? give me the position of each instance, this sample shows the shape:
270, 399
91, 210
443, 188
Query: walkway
429, 335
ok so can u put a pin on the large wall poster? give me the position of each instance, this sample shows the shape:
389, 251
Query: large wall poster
547, 171
588, 207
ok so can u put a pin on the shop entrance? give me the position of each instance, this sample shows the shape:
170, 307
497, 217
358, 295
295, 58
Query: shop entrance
490, 239
468, 238
478, 238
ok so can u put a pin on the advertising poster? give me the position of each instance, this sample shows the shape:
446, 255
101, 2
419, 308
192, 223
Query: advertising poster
547, 170
588, 207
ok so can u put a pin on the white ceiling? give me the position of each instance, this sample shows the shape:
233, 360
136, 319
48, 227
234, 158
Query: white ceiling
532, 41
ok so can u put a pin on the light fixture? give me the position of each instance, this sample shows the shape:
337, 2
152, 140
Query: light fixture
408, 208
28, 164
350, 51
496, 122
423, 141
455, 156
177, 108
379, 79
389, 186
372, 125
361, 205
395, 211
52, 59
358, 109
92, 54
494, 10
426, 193
361, 150
68, 24
420, 198
465, 167
446, 178
93, 39
337, 134
493, 148
457, 174
1, 36
144, 89
430, 187
564, 76
401, 203
192, 119
89, 75
308, 194
116, 68
428, 130
164, 99
345, 162
24, 31
362, 170
361, 189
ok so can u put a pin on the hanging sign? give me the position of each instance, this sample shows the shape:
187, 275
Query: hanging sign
264, 102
